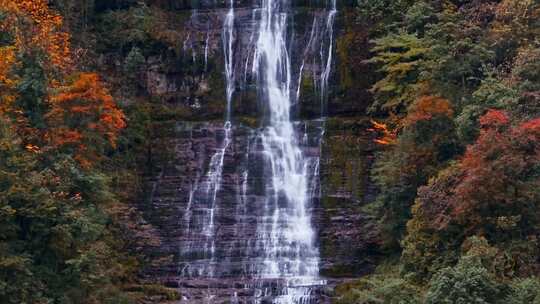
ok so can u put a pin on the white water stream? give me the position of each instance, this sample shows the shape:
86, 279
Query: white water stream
284, 248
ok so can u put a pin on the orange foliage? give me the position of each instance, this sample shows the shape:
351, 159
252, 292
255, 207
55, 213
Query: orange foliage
427, 107
7, 59
32, 148
423, 109
388, 136
34, 25
81, 111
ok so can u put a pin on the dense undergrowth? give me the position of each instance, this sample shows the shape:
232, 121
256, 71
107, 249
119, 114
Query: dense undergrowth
459, 174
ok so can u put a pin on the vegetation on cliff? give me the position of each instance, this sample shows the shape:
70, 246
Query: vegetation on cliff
460, 179
64, 151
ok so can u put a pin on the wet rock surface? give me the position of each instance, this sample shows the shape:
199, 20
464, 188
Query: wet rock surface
180, 259
224, 266
221, 267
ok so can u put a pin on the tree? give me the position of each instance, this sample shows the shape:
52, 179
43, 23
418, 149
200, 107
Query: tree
55, 239
382, 15
492, 191
526, 77
493, 93
524, 291
33, 26
425, 143
84, 119
58, 234
467, 282
457, 55
19, 190
35, 55
515, 26
7, 83
400, 57
504, 158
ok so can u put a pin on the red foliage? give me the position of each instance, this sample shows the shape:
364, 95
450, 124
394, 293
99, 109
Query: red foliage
531, 126
497, 176
494, 118
493, 190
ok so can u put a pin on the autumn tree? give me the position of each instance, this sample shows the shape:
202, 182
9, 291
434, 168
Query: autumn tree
493, 192
505, 158
425, 142
55, 243
84, 118
32, 26
59, 239
401, 59
35, 56
515, 26
483, 58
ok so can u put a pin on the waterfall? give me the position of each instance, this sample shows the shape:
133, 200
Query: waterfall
206, 50
213, 177
289, 244
216, 162
247, 221
288, 236
228, 40
328, 64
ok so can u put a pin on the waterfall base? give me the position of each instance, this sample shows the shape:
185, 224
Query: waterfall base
246, 291
225, 267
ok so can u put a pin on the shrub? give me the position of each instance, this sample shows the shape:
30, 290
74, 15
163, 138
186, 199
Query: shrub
467, 283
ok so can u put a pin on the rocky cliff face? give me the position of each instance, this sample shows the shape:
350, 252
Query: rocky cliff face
177, 205
189, 83
348, 236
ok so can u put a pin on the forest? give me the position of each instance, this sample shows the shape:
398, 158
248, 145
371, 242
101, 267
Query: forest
448, 92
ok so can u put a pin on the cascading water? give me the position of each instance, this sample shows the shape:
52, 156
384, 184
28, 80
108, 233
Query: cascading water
228, 40
268, 249
216, 163
215, 170
329, 54
288, 236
